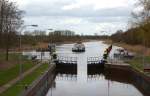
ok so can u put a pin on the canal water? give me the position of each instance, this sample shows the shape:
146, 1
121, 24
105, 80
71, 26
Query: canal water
86, 82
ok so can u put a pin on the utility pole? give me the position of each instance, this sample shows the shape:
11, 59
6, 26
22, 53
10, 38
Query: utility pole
20, 47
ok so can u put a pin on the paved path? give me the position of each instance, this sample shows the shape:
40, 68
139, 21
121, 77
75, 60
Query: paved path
14, 81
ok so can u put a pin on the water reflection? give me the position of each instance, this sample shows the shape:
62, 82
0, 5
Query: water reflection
91, 81
66, 72
67, 77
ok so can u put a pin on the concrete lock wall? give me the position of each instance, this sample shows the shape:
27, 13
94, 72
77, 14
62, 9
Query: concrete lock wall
41, 85
140, 80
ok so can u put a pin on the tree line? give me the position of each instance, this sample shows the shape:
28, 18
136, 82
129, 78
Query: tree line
34, 37
139, 32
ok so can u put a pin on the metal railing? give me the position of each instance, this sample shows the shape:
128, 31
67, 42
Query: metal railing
114, 60
93, 60
68, 60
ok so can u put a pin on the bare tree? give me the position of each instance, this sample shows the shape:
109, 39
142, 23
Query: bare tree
11, 20
142, 17
1, 19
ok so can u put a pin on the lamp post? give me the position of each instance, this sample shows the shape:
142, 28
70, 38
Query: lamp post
51, 34
52, 49
42, 52
51, 30
20, 45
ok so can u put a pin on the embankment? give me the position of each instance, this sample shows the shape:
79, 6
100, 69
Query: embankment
42, 84
139, 79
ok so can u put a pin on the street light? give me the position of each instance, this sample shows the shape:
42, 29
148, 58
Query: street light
52, 49
42, 53
52, 30
20, 35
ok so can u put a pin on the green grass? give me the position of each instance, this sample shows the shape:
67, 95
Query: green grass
12, 72
19, 87
137, 62
12, 56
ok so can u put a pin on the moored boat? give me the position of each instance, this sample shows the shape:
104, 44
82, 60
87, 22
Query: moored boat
78, 47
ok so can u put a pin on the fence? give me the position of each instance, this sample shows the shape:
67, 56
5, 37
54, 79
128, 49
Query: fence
67, 60
93, 60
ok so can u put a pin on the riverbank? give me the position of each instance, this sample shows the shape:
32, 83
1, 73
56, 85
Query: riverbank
10, 73
137, 61
10, 69
41, 85
42, 45
139, 79
16, 89
133, 48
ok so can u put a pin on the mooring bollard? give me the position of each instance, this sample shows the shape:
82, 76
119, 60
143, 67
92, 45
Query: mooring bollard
26, 87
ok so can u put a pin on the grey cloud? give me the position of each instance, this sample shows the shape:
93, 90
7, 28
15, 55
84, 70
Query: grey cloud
55, 9
90, 12
103, 15
51, 13
108, 19
84, 27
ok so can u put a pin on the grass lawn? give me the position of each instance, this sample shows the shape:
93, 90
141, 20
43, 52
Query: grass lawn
12, 56
137, 62
17, 89
10, 73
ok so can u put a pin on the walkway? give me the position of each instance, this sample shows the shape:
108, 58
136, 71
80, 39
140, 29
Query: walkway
14, 81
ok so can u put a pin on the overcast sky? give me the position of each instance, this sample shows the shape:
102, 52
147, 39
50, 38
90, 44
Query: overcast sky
81, 16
